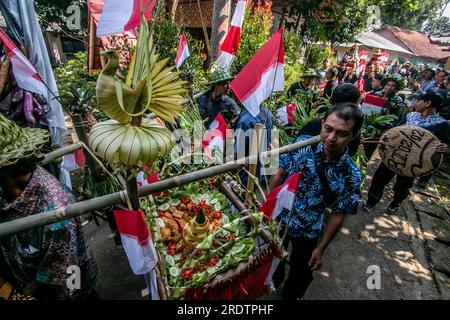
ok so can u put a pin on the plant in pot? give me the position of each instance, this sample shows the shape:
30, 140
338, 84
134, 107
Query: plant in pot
79, 102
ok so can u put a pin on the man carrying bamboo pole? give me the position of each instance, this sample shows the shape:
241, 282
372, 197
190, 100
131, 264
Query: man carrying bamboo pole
329, 178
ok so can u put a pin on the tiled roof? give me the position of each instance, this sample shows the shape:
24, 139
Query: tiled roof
419, 43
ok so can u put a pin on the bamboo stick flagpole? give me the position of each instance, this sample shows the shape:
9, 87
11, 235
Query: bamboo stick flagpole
79, 208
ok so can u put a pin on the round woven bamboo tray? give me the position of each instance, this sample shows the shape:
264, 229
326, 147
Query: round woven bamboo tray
410, 151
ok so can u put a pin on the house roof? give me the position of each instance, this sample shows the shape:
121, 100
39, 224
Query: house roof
376, 40
419, 43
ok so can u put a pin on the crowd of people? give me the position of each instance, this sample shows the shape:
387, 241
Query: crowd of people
36, 261
330, 179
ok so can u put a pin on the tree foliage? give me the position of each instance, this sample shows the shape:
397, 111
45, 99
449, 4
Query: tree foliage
440, 24
335, 21
54, 15
409, 14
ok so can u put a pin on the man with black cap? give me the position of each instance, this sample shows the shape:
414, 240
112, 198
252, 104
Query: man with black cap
426, 116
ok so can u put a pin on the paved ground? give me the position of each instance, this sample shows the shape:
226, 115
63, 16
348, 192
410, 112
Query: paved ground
403, 246
116, 280
413, 256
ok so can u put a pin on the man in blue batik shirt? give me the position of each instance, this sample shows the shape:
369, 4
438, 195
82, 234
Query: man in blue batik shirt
327, 161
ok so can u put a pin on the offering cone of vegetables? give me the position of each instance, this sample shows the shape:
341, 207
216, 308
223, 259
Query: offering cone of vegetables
198, 229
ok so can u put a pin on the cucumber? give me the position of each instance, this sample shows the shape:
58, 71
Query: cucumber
174, 202
170, 260
164, 207
217, 206
174, 271
160, 222
237, 248
214, 201
177, 256
225, 219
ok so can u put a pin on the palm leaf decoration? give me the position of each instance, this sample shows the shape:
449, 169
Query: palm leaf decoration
150, 86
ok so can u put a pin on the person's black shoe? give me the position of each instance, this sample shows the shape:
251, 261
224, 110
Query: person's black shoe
369, 206
392, 208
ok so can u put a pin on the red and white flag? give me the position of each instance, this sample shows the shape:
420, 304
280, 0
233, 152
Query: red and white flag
372, 103
364, 55
136, 240
286, 114
24, 72
215, 136
281, 198
230, 45
183, 52
122, 15
262, 75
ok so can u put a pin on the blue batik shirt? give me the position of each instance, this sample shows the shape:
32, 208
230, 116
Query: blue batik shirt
344, 180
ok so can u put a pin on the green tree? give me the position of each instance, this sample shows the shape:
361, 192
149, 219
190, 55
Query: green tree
409, 14
438, 25
54, 15
335, 21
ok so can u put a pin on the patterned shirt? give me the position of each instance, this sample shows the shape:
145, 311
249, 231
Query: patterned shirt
45, 253
344, 180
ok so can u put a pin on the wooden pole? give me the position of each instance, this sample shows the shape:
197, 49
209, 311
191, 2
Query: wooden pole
255, 150
205, 31
79, 208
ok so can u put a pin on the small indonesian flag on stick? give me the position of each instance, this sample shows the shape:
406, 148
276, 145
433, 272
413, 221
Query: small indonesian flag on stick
231, 43
262, 75
136, 240
372, 103
286, 114
215, 136
281, 198
183, 51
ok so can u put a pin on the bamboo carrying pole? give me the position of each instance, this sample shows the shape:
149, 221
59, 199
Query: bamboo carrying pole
79, 208
255, 150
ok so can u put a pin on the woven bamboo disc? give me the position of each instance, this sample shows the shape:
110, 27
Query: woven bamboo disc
18, 143
410, 151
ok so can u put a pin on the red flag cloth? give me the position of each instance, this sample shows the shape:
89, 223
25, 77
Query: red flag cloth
136, 240
119, 16
24, 72
372, 103
248, 286
183, 51
281, 198
262, 75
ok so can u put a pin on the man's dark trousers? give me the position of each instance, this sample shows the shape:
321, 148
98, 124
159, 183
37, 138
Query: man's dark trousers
381, 178
300, 274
